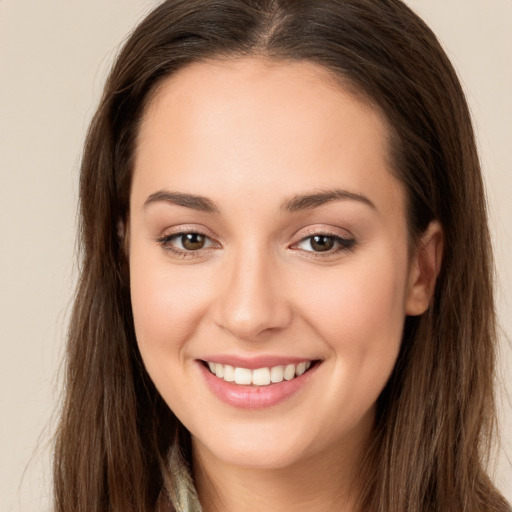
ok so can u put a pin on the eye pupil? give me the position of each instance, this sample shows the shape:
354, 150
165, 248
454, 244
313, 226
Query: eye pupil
322, 243
193, 241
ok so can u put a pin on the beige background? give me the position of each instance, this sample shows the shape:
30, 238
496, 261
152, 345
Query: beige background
53, 58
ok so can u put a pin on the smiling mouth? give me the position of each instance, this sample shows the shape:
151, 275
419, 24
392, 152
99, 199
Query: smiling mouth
260, 376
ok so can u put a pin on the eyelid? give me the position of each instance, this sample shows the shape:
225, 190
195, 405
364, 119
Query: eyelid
322, 230
345, 241
164, 240
183, 229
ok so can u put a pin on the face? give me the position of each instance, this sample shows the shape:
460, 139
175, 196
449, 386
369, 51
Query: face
267, 245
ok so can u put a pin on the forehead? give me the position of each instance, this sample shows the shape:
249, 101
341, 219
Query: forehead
253, 124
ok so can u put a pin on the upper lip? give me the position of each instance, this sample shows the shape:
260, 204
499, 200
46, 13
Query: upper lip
253, 363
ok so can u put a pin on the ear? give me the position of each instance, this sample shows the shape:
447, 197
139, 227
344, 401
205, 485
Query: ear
424, 269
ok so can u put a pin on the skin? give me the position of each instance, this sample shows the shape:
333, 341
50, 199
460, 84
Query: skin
251, 135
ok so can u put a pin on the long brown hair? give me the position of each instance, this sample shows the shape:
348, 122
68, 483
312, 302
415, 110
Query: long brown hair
436, 416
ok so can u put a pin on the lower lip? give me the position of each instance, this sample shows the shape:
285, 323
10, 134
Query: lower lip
255, 397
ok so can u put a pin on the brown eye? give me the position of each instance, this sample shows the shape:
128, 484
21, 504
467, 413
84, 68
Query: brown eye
321, 243
192, 241
187, 244
325, 243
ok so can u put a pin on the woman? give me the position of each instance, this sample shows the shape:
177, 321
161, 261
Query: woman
286, 295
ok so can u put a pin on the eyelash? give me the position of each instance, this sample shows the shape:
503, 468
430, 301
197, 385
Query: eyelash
343, 244
166, 243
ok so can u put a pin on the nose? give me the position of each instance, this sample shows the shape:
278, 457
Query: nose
253, 298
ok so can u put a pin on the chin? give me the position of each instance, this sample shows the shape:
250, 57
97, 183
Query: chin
257, 447
256, 456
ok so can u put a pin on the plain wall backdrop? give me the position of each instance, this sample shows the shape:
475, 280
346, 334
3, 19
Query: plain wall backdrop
54, 55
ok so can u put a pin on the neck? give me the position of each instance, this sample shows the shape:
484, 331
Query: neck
323, 482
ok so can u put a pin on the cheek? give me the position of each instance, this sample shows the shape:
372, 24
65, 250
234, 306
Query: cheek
167, 307
362, 299
359, 311
167, 303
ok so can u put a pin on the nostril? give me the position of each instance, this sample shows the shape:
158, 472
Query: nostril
250, 301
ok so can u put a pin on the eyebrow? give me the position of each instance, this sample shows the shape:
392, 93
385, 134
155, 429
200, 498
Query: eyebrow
310, 201
297, 203
194, 202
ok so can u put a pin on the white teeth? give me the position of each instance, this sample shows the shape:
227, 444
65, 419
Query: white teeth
243, 376
301, 368
219, 370
260, 376
229, 373
276, 374
289, 372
